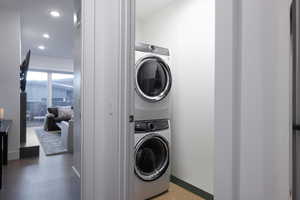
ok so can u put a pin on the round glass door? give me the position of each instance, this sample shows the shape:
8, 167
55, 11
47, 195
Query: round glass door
151, 157
153, 78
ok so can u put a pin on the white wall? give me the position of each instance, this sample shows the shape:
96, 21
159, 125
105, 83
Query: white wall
9, 75
265, 100
138, 30
187, 29
225, 103
51, 63
253, 69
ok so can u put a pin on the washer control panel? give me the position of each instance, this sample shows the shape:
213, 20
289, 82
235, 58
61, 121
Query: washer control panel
151, 125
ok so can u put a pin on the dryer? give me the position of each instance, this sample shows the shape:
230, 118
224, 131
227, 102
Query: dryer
152, 158
153, 82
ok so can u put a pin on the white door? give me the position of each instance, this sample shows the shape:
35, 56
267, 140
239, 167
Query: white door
107, 99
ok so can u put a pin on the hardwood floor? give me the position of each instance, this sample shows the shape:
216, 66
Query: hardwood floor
44, 178
49, 178
178, 193
52, 178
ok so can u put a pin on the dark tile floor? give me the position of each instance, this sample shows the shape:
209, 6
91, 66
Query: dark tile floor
44, 178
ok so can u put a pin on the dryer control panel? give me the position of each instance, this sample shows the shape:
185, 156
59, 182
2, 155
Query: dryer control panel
151, 125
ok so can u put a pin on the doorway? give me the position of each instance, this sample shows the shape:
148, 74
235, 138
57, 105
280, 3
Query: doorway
175, 72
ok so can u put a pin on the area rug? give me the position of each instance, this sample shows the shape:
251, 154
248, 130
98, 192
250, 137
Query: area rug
50, 141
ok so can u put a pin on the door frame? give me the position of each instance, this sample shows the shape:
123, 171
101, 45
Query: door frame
227, 99
108, 37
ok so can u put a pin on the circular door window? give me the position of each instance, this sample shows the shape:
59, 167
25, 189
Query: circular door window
151, 157
153, 78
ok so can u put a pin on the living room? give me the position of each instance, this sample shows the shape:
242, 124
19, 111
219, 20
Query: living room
40, 78
49, 104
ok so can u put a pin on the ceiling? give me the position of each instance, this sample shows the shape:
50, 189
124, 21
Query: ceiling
36, 20
9, 4
145, 8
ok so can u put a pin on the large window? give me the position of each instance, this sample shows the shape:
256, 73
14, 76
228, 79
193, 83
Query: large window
47, 89
62, 89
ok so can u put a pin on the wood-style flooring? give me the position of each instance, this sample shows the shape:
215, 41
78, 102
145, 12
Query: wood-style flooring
52, 178
44, 178
178, 193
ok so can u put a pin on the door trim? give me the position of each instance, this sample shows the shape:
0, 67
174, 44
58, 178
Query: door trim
87, 101
227, 99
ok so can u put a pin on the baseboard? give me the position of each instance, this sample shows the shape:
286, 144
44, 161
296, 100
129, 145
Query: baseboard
76, 172
192, 188
13, 155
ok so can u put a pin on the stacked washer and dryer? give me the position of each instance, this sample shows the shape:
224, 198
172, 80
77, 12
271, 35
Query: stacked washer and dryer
152, 121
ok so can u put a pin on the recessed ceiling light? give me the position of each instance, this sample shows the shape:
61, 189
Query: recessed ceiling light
46, 35
55, 13
41, 47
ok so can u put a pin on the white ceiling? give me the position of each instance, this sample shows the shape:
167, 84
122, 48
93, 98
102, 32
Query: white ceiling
35, 21
9, 4
145, 8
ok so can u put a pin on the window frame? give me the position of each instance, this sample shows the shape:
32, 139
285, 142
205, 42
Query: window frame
50, 82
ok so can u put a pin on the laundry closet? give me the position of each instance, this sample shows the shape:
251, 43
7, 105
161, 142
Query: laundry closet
174, 96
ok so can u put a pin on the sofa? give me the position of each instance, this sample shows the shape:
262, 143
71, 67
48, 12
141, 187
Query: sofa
56, 115
67, 134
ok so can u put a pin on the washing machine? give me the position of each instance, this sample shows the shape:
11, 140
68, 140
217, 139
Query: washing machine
153, 82
152, 158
